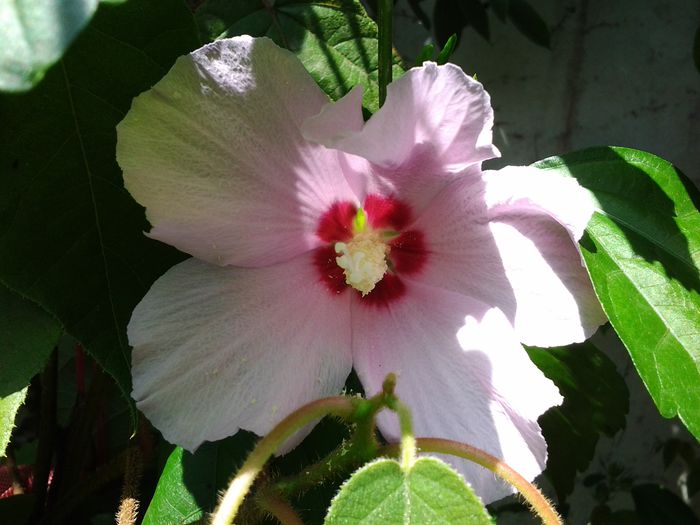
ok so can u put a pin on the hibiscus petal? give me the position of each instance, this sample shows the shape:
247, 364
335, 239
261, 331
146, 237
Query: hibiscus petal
463, 374
511, 254
218, 349
523, 189
435, 120
215, 154
556, 304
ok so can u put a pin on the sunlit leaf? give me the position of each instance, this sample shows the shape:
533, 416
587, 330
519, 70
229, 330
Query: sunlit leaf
642, 250
335, 39
430, 491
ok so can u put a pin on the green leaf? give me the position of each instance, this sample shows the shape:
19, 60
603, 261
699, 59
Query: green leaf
425, 54
449, 20
500, 8
9, 405
71, 237
27, 337
529, 22
659, 506
596, 401
335, 39
476, 16
190, 484
642, 250
34, 34
447, 51
430, 492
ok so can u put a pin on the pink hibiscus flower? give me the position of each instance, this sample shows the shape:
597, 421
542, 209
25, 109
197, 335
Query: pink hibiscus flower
321, 243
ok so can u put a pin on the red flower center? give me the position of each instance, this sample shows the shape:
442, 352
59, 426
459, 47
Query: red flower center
406, 255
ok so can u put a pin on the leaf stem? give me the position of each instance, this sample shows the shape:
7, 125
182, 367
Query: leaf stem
538, 503
384, 21
240, 485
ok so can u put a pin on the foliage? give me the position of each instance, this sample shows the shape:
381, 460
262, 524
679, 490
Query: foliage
74, 260
643, 253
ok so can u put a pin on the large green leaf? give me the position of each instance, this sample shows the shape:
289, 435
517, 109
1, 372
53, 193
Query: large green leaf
642, 250
596, 401
71, 237
335, 39
33, 36
27, 337
430, 491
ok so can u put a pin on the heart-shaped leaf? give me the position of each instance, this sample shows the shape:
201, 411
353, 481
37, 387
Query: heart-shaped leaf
430, 491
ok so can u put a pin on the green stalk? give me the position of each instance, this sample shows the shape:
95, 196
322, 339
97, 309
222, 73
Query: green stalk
240, 485
384, 21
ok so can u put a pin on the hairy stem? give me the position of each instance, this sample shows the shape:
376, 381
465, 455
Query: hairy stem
534, 498
279, 508
240, 485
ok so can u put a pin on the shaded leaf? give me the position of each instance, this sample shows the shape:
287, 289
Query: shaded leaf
500, 7
449, 20
476, 16
603, 515
27, 337
596, 401
642, 250
529, 22
693, 480
335, 39
18, 509
430, 492
658, 506
71, 237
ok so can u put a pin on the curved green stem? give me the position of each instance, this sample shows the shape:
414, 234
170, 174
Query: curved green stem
384, 21
535, 499
240, 485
